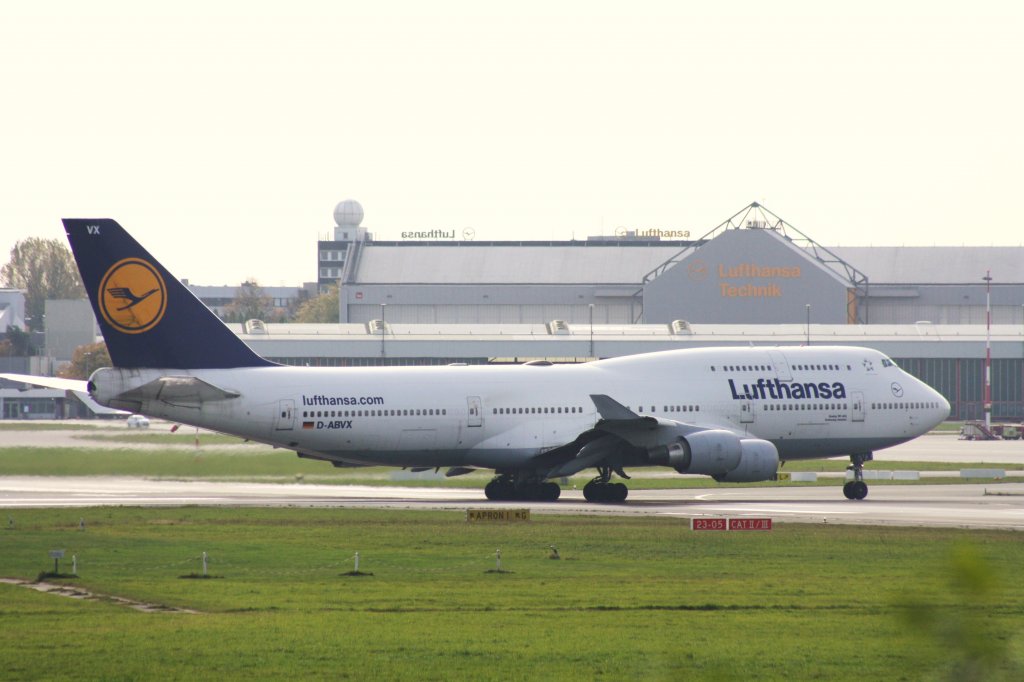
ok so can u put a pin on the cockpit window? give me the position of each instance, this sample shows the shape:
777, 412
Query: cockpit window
886, 362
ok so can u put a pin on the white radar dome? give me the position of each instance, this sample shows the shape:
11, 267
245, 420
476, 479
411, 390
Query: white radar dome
348, 213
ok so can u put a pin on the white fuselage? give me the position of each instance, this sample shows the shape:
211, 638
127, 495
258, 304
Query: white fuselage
809, 402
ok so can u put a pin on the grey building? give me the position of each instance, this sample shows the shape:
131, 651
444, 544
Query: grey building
12, 309
69, 324
219, 299
753, 275
753, 268
337, 255
499, 282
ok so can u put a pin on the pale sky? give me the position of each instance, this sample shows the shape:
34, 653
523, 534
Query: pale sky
222, 134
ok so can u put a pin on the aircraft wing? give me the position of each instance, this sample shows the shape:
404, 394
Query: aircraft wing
620, 437
619, 420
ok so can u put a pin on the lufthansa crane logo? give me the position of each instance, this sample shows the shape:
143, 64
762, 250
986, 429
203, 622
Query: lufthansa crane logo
132, 296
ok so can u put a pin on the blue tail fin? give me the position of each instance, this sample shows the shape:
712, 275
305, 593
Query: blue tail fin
148, 318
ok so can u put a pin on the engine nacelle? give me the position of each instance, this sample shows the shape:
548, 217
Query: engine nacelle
760, 461
720, 454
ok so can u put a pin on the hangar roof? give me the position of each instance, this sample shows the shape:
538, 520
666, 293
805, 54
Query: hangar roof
935, 264
586, 263
497, 264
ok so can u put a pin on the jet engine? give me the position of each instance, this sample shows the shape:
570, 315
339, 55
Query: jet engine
720, 454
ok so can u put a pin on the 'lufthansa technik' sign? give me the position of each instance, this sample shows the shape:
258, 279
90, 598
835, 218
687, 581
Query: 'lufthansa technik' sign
766, 278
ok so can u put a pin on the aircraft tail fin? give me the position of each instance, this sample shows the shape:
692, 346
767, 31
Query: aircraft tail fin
148, 318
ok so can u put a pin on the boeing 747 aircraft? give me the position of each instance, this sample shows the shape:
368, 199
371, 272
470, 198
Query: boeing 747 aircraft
733, 414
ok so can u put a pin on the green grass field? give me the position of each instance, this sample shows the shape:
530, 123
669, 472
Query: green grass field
260, 463
635, 598
631, 598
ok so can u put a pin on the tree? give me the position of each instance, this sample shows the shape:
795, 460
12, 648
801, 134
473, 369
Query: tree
251, 303
45, 269
16, 342
85, 360
323, 308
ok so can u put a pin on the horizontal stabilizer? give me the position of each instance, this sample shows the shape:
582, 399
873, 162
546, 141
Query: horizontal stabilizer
48, 382
178, 390
96, 408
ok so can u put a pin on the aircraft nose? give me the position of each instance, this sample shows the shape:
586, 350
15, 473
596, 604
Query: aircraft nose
943, 409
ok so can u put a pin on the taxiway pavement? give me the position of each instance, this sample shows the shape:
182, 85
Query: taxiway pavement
968, 505
998, 505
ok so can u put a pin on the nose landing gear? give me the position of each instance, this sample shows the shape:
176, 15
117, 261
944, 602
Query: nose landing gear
857, 489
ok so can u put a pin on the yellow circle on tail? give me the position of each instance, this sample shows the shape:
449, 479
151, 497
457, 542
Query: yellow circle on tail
132, 296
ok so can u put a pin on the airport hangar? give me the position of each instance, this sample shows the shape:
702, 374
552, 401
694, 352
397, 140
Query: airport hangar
441, 297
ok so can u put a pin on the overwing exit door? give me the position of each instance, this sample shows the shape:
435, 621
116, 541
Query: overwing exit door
285, 420
475, 414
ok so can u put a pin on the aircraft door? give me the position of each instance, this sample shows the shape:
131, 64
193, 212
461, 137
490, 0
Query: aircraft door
285, 420
475, 412
856, 406
746, 412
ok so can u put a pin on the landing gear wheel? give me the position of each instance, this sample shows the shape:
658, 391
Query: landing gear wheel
500, 489
857, 489
550, 491
505, 488
598, 491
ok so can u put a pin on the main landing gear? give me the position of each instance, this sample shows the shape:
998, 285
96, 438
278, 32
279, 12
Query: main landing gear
528, 487
857, 489
508, 488
602, 490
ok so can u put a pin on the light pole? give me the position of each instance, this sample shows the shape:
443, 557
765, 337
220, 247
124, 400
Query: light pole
591, 330
808, 324
988, 349
383, 331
